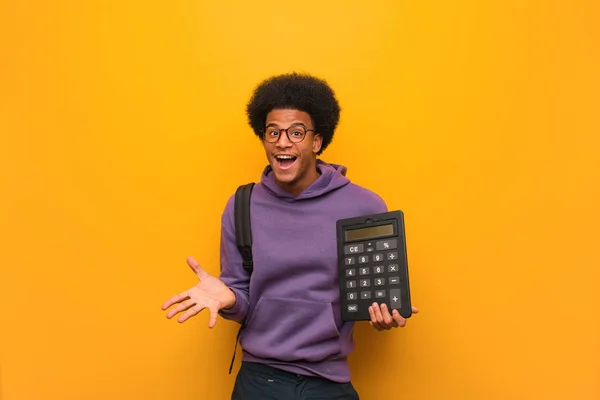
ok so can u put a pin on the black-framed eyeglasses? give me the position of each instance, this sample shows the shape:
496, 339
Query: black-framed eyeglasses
295, 133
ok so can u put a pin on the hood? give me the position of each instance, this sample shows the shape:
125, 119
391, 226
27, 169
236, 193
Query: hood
332, 177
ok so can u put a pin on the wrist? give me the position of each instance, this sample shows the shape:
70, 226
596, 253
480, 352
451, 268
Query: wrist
231, 300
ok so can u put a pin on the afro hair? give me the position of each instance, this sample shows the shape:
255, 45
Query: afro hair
298, 92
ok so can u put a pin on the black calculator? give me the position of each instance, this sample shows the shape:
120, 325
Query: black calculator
372, 264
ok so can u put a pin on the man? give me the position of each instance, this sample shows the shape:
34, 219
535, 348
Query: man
294, 343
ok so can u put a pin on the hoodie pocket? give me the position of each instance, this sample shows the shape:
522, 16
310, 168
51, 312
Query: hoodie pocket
291, 330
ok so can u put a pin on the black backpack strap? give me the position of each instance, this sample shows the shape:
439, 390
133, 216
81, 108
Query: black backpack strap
243, 231
243, 237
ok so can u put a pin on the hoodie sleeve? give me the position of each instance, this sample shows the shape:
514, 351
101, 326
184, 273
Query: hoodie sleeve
233, 274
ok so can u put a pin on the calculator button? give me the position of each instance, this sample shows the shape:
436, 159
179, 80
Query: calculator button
363, 270
393, 268
354, 249
394, 280
386, 244
351, 272
349, 261
380, 294
395, 298
378, 257
392, 256
352, 308
350, 284
370, 249
352, 296
365, 295
378, 269
379, 281
365, 282
363, 259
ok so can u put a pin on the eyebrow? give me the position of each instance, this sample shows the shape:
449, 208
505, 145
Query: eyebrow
292, 124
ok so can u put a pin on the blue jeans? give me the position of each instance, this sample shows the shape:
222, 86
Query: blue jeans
261, 382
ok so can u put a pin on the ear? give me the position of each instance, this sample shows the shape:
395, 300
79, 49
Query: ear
317, 143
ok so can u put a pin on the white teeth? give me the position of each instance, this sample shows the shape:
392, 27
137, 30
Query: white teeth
285, 157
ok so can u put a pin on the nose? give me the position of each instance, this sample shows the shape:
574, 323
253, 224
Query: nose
283, 141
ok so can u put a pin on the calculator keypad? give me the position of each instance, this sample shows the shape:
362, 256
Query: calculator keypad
372, 268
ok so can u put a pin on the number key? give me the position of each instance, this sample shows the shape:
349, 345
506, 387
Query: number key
378, 257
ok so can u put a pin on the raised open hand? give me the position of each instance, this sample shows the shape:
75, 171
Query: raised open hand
209, 293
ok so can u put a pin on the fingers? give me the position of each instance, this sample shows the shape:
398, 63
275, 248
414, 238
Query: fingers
212, 308
191, 302
191, 308
399, 319
415, 310
387, 318
381, 319
213, 317
175, 299
196, 268
189, 313
180, 307
376, 317
373, 320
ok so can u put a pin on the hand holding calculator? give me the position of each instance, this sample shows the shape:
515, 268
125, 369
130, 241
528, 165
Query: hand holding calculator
372, 264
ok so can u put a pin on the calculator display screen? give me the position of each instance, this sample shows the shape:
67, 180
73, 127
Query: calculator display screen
370, 232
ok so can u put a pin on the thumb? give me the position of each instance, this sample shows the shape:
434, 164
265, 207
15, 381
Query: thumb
202, 274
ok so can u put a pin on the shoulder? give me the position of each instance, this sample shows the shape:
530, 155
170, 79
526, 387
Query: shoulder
229, 209
367, 201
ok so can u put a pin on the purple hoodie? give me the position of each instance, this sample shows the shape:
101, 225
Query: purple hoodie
292, 307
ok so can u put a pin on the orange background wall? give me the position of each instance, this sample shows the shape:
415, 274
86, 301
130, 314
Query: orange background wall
123, 133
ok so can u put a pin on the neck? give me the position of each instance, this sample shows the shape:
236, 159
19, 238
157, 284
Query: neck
299, 186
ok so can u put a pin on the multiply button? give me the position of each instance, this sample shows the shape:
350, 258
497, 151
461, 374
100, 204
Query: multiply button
386, 244
353, 249
393, 268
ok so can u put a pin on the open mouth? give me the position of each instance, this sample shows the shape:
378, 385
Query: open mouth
285, 161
